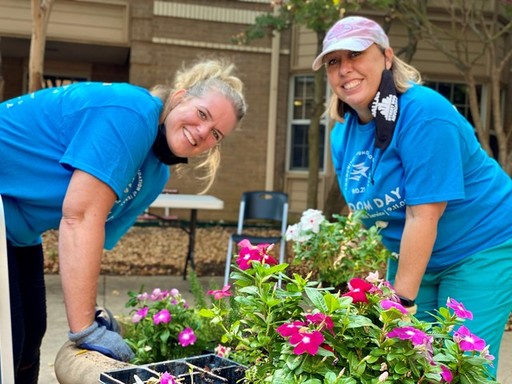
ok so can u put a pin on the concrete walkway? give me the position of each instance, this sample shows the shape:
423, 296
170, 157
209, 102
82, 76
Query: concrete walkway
112, 293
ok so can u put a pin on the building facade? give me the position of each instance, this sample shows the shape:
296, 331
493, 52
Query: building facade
144, 42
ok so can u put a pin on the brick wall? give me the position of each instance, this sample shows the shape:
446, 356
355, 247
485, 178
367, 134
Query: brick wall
243, 164
244, 153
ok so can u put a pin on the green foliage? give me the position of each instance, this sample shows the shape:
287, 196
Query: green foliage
196, 289
337, 251
355, 348
317, 15
154, 341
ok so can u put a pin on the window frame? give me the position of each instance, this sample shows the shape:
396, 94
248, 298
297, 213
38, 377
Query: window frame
291, 121
482, 97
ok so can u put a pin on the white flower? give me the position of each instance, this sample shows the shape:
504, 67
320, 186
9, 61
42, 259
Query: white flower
292, 232
302, 237
383, 377
381, 224
311, 220
373, 277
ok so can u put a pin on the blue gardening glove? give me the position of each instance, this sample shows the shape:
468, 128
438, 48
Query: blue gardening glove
99, 338
104, 317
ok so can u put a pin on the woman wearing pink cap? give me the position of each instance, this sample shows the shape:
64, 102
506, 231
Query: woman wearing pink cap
404, 155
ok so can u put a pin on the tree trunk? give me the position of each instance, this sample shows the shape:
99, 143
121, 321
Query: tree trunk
41, 10
314, 133
474, 107
334, 202
314, 141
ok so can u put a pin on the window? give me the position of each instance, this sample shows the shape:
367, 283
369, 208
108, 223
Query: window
301, 111
457, 93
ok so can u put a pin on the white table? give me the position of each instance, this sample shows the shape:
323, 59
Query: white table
192, 202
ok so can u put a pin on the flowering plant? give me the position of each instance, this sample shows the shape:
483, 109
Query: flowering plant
164, 378
163, 327
303, 333
337, 251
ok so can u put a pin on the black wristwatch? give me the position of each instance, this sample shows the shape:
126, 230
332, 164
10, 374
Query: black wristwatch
406, 302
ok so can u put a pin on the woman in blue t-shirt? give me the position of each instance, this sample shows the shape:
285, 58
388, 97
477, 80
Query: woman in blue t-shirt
404, 155
87, 159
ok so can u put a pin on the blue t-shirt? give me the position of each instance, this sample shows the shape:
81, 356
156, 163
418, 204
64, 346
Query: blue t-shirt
104, 129
434, 156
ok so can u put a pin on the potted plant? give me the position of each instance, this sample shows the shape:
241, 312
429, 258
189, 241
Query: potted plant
171, 341
163, 326
339, 250
303, 333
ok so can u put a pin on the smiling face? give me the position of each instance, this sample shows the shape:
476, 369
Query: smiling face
196, 124
355, 76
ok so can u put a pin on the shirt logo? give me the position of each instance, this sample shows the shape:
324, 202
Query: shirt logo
358, 170
129, 193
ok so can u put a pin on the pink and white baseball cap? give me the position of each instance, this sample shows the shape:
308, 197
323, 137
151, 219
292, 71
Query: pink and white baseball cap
354, 33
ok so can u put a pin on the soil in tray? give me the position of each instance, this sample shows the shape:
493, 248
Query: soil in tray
204, 369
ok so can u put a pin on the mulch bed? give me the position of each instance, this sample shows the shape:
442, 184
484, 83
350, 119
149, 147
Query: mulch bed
161, 250
158, 250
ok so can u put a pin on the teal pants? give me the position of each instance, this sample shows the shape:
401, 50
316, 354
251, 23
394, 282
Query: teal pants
482, 282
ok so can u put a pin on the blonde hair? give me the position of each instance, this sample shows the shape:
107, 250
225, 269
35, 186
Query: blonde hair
404, 76
199, 79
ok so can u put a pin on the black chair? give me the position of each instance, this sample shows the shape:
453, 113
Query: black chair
255, 207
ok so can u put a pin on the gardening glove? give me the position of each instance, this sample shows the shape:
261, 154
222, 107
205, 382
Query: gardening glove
98, 338
412, 310
104, 317
409, 305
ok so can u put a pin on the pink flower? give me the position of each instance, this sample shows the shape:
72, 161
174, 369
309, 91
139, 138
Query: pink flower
321, 319
142, 296
163, 316
388, 304
222, 351
358, 288
220, 293
416, 336
140, 314
249, 253
446, 374
373, 277
327, 347
459, 309
468, 341
167, 378
267, 259
158, 294
306, 342
187, 337
288, 329
487, 355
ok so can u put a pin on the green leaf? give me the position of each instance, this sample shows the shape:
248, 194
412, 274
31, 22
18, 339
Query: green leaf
205, 312
316, 298
293, 361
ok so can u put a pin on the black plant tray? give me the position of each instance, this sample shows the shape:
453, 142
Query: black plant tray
203, 369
